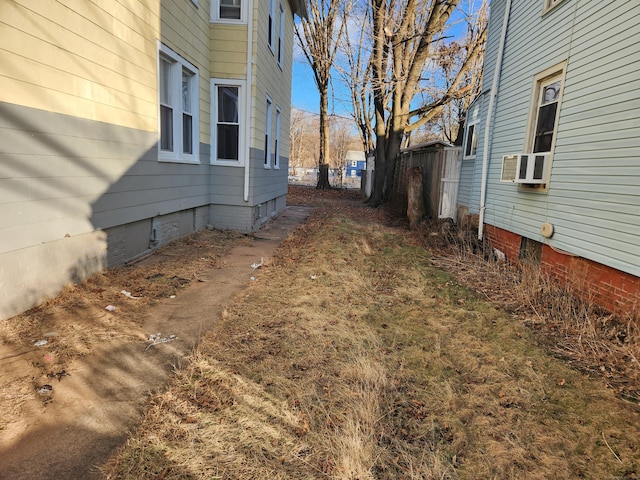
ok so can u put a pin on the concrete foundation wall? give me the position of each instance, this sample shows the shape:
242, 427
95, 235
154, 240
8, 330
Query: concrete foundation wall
30, 275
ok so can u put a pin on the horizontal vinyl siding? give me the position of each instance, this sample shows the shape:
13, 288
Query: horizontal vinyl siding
268, 183
593, 199
185, 29
274, 81
227, 185
95, 62
228, 50
65, 176
270, 79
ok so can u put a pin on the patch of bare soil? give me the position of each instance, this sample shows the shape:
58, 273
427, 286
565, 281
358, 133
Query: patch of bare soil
38, 347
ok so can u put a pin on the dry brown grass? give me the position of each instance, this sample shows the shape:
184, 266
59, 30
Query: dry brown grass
352, 357
599, 343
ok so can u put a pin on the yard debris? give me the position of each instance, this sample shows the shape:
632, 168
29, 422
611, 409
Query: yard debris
59, 375
255, 265
40, 343
128, 295
157, 339
313, 277
45, 390
254, 279
110, 308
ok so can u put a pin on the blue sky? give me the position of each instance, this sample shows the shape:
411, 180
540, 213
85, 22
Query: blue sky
304, 94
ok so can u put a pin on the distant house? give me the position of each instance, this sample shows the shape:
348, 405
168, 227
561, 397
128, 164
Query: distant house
551, 154
126, 124
355, 163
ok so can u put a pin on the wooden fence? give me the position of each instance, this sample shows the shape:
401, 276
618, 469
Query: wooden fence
441, 171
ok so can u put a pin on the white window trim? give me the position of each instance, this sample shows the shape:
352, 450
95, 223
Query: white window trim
227, 82
276, 148
267, 131
215, 14
281, 37
473, 124
556, 72
177, 155
272, 33
550, 5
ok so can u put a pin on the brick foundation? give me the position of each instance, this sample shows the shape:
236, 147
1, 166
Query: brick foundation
612, 289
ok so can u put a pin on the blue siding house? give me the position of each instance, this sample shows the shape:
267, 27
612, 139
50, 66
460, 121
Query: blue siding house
551, 153
355, 164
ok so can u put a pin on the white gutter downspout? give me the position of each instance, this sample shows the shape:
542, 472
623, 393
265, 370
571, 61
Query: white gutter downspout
248, 101
494, 94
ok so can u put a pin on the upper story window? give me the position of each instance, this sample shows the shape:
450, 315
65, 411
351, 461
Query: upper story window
546, 114
471, 131
227, 120
281, 36
271, 25
178, 108
228, 11
549, 4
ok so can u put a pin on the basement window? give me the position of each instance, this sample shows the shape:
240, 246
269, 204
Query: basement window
530, 251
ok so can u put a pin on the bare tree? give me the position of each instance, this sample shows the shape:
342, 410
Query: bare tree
319, 36
304, 145
405, 39
451, 56
355, 71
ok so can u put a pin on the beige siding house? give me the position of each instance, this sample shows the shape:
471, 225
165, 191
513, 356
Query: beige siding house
124, 125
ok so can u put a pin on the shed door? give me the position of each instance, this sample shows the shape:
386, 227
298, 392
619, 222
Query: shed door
449, 182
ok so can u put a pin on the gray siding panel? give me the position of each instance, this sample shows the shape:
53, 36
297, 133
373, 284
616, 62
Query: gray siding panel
594, 191
61, 175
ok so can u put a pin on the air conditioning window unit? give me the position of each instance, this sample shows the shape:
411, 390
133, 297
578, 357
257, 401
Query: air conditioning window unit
525, 168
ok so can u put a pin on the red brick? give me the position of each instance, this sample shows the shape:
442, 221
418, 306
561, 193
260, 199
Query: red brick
611, 289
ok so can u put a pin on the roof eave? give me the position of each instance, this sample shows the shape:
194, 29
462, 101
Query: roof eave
299, 7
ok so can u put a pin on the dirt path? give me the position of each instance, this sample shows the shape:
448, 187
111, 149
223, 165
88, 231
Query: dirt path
94, 407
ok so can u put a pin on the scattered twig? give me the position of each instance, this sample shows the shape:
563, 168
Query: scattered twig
609, 447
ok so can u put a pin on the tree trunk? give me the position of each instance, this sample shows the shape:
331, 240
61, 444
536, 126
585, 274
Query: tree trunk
323, 161
323, 177
392, 150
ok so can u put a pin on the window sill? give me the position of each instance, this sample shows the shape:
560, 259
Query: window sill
187, 161
228, 22
226, 163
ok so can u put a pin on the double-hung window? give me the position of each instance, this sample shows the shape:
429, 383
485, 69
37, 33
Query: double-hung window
178, 108
267, 133
281, 36
227, 121
228, 11
276, 146
548, 97
271, 25
471, 131
544, 113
